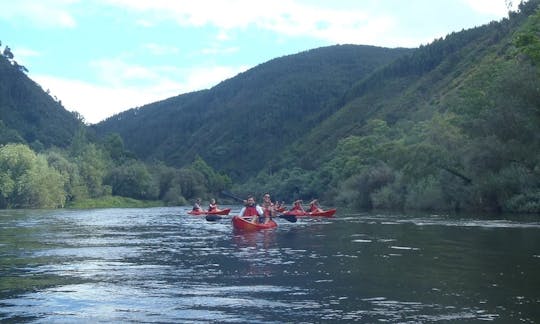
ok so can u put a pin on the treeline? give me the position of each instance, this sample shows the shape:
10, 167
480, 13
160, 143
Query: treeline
55, 178
10, 57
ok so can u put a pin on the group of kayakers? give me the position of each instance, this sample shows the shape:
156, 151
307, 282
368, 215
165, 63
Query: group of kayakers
264, 212
211, 207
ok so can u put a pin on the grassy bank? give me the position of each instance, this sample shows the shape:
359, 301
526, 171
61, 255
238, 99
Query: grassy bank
113, 202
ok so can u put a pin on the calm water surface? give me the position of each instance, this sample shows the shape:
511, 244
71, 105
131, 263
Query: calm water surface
161, 265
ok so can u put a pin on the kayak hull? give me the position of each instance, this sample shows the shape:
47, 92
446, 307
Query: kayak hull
245, 224
225, 211
324, 213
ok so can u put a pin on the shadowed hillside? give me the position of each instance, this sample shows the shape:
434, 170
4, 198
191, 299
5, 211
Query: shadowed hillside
28, 114
239, 124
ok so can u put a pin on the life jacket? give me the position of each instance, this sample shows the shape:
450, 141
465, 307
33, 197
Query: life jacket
312, 207
266, 209
251, 211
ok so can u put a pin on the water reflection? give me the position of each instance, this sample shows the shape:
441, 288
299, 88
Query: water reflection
263, 239
161, 265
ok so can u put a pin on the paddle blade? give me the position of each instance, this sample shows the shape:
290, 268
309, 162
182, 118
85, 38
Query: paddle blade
230, 195
290, 218
213, 218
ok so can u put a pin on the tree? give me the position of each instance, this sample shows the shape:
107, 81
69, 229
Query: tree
40, 187
74, 186
7, 53
93, 166
132, 179
26, 180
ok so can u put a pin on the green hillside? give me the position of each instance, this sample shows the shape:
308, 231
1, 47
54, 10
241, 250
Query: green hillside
254, 115
28, 114
452, 126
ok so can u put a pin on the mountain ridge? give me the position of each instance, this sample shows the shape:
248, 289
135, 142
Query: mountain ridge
275, 100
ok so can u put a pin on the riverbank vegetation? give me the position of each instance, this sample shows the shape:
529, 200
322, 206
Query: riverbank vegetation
97, 175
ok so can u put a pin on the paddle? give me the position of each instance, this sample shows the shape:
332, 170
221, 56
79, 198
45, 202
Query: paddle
290, 218
213, 218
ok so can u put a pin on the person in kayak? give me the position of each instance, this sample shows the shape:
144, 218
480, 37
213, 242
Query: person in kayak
268, 207
297, 206
314, 206
280, 206
197, 205
251, 209
213, 205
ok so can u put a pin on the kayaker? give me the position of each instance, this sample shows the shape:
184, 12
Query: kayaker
314, 206
297, 205
280, 206
268, 207
213, 205
197, 205
251, 209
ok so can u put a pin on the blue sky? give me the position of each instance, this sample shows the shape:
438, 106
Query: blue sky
101, 57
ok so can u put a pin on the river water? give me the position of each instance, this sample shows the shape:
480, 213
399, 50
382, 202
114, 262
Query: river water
162, 265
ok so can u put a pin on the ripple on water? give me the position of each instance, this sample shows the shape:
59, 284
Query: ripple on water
158, 265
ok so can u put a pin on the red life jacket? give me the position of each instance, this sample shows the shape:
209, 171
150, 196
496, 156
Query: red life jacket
251, 211
266, 209
312, 207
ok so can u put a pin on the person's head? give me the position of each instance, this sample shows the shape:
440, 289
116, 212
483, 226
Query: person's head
198, 200
212, 201
266, 197
250, 200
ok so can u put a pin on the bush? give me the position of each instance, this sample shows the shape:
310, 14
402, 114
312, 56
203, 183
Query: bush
426, 194
524, 203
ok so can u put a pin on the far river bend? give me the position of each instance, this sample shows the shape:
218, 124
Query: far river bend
162, 265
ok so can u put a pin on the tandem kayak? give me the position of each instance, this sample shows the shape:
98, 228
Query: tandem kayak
324, 213
245, 224
225, 211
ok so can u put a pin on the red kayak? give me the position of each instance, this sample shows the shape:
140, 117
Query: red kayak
299, 213
225, 211
245, 224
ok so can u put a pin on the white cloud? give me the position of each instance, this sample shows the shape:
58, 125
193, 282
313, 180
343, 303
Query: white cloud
99, 101
216, 49
51, 13
23, 55
286, 17
116, 72
159, 49
497, 8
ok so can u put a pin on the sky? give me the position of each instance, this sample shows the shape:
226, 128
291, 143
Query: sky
101, 57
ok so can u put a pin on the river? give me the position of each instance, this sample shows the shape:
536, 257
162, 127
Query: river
162, 265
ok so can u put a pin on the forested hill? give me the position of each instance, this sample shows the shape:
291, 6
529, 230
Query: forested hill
27, 113
452, 125
245, 121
